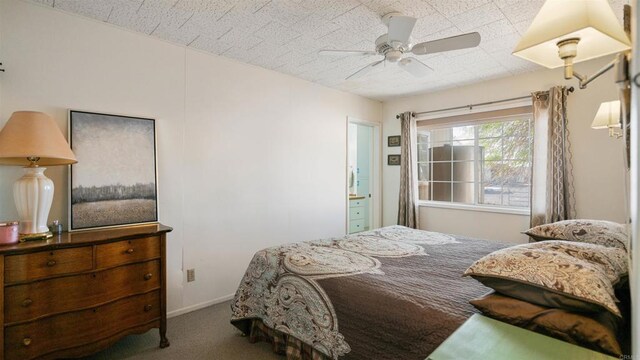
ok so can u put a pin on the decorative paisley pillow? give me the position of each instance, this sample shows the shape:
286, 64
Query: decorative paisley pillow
613, 260
599, 232
562, 277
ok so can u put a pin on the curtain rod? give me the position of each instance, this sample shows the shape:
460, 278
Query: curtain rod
470, 106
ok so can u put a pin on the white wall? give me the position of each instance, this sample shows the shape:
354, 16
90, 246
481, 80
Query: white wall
248, 157
598, 164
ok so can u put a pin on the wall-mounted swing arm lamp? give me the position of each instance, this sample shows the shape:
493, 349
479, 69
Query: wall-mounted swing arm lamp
566, 32
608, 117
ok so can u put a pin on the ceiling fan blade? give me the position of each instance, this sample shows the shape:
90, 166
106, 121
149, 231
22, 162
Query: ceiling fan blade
400, 28
447, 44
414, 67
365, 70
346, 52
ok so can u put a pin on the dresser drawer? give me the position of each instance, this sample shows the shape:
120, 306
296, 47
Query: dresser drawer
64, 331
356, 203
127, 251
356, 226
47, 263
34, 300
356, 213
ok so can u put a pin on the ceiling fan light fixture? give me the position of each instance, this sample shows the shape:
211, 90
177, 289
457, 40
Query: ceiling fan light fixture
393, 56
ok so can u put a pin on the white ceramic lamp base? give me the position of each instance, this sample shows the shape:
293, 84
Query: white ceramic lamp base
33, 194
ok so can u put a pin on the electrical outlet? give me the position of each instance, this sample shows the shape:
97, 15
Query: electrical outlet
191, 275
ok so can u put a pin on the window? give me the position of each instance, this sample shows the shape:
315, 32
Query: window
486, 163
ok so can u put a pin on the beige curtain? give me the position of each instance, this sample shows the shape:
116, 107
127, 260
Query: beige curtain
552, 193
407, 206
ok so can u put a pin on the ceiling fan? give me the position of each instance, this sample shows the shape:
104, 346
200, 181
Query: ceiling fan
396, 44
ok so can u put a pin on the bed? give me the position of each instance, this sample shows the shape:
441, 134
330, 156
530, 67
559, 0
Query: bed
392, 293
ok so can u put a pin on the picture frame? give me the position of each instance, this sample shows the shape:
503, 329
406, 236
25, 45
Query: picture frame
394, 141
393, 160
115, 182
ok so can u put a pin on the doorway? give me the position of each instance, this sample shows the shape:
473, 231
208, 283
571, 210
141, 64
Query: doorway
363, 176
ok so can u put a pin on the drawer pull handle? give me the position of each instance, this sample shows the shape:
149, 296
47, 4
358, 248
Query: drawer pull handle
147, 308
27, 303
130, 251
148, 276
51, 263
26, 341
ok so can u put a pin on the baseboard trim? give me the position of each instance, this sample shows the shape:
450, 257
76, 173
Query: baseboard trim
199, 306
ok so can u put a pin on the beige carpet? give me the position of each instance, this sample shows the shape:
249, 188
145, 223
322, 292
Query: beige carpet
203, 334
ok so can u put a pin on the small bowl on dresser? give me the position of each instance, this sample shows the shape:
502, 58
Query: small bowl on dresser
9, 232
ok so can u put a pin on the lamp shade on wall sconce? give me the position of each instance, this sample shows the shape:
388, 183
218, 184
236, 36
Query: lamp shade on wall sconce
32, 139
608, 117
569, 31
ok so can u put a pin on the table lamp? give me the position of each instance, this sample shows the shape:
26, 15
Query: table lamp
32, 139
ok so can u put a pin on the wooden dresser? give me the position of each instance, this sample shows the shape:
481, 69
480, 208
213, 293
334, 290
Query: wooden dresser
78, 293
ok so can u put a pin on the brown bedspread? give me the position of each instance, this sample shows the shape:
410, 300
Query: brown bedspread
393, 293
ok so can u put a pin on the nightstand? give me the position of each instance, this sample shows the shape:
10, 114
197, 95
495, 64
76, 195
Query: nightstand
481, 338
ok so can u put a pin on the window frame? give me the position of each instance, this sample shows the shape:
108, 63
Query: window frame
474, 119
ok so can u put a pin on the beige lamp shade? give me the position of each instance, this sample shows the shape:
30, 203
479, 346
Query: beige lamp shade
608, 116
33, 134
592, 21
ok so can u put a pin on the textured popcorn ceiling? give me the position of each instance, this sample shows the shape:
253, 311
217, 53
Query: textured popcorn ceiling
285, 35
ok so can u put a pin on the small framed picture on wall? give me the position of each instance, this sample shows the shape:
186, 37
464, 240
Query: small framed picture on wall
393, 141
393, 160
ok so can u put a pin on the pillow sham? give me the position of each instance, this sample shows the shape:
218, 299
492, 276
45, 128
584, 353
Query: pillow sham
606, 233
544, 275
614, 261
597, 331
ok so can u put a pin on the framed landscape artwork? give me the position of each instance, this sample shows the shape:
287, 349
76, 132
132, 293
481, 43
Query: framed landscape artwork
115, 180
